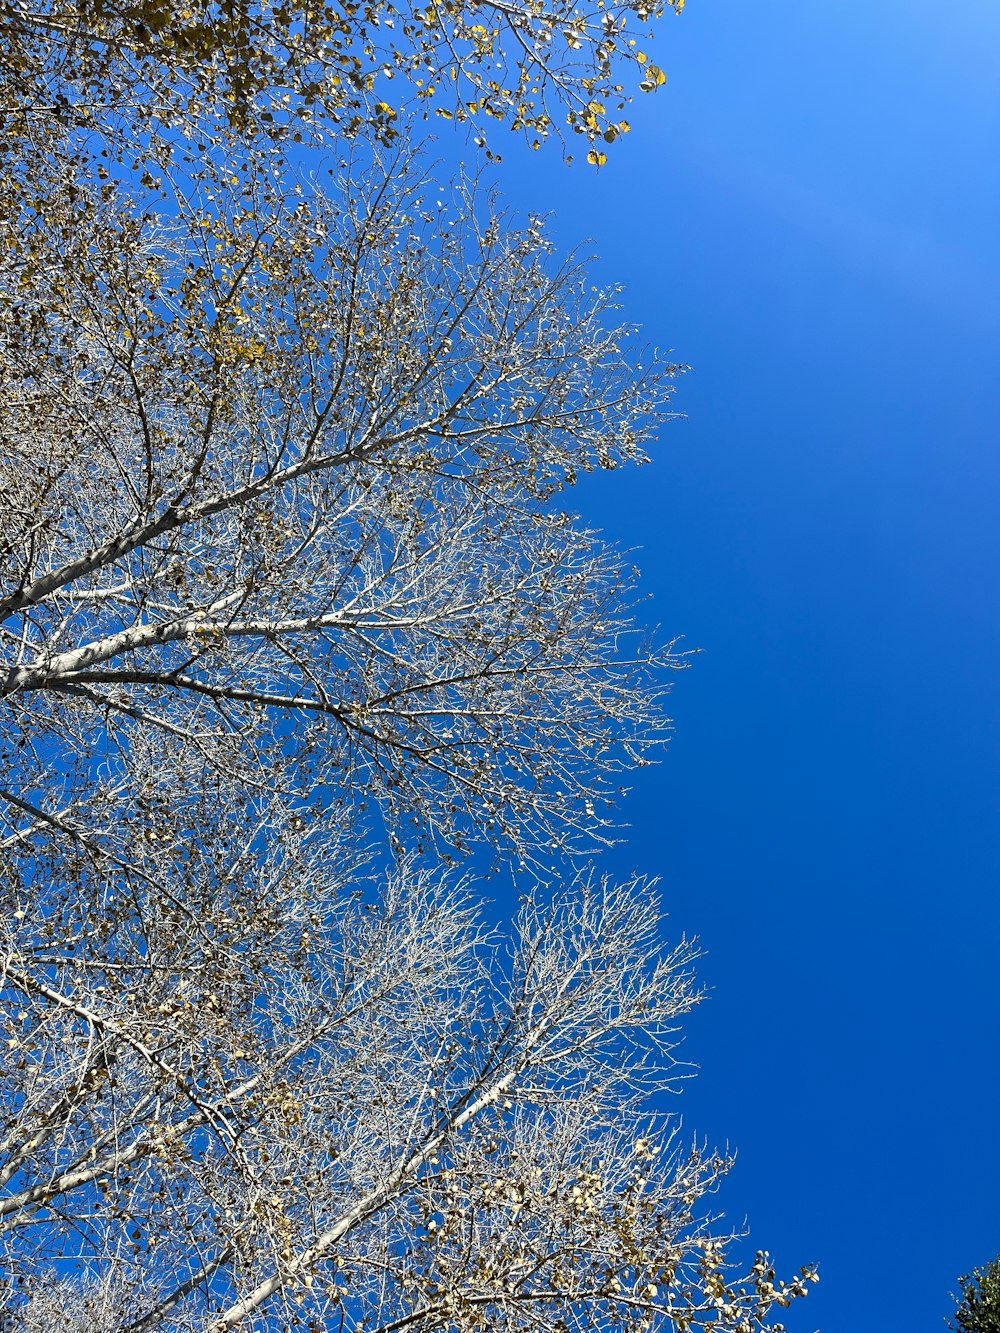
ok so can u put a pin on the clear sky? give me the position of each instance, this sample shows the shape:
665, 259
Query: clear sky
808, 214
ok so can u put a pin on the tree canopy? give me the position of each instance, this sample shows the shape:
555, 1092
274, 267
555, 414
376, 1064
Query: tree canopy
284, 569
272, 487
264, 67
293, 620
979, 1305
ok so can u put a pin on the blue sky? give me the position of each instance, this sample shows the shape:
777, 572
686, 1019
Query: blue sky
808, 214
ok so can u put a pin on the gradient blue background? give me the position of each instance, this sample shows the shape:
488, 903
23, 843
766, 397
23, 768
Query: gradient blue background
808, 213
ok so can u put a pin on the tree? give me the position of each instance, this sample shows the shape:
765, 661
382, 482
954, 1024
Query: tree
271, 492
251, 1090
292, 621
979, 1306
150, 66
282, 568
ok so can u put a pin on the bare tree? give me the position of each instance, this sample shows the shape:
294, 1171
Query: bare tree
283, 566
236, 1084
270, 490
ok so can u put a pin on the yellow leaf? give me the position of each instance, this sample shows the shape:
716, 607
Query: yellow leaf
596, 158
641, 57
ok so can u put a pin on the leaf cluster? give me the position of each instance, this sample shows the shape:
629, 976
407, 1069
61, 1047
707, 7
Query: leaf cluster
163, 72
979, 1304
